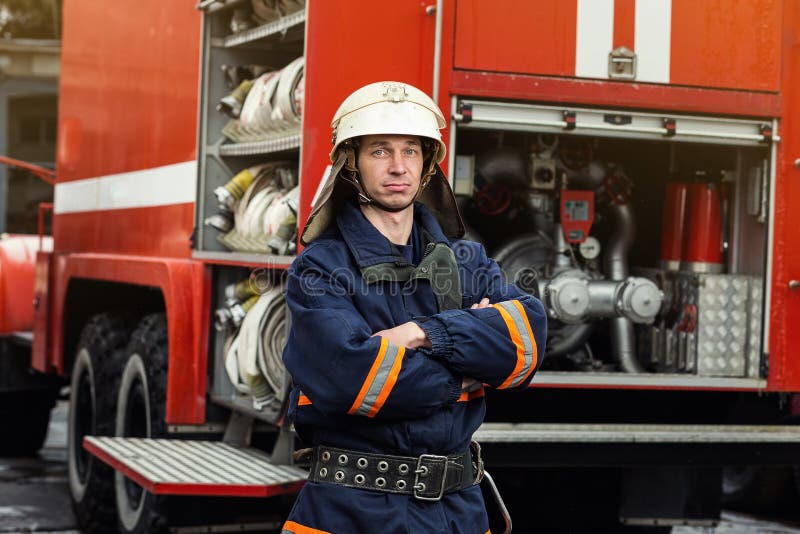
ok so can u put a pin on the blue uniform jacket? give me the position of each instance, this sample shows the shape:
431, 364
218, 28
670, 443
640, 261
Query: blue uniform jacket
355, 391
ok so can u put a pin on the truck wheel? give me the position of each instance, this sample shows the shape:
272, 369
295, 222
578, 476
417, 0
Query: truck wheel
92, 400
140, 413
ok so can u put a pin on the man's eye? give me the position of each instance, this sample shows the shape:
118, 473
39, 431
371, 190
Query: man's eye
379, 152
411, 151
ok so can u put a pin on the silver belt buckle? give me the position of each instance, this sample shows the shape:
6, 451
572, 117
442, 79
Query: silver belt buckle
422, 471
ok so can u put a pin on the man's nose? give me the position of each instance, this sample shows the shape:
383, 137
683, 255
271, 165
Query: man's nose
397, 164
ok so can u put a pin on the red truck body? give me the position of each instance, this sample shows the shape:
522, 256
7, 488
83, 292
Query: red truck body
135, 106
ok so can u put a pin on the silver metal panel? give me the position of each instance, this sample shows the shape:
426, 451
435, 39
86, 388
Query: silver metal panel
271, 28
611, 433
169, 461
569, 378
276, 144
612, 123
754, 322
267, 261
717, 343
773, 156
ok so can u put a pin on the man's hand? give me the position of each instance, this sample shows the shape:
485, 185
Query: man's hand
408, 334
484, 303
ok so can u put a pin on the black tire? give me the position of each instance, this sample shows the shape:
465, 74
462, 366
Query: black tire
92, 410
141, 413
29, 424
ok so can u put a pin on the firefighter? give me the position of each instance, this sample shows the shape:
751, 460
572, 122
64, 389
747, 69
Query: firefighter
396, 325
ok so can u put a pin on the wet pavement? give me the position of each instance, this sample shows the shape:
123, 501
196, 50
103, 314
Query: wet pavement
34, 494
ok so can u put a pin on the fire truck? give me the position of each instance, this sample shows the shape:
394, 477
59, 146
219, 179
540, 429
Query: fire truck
631, 162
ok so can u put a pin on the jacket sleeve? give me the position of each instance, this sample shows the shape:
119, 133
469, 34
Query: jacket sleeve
502, 345
335, 362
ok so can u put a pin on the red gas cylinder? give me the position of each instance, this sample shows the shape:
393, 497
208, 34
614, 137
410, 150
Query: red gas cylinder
673, 225
702, 250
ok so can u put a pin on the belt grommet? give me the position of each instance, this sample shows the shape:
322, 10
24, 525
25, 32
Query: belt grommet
402, 469
380, 482
339, 476
359, 478
362, 463
383, 466
323, 472
326, 455
342, 459
423, 470
420, 487
401, 484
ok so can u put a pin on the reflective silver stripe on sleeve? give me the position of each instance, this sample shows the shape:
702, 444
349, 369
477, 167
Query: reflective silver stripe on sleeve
527, 342
379, 380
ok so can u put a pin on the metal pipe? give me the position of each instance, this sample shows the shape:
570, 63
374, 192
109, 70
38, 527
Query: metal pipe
573, 298
437, 51
616, 268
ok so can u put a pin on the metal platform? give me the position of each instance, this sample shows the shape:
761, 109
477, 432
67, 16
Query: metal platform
621, 445
181, 467
616, 433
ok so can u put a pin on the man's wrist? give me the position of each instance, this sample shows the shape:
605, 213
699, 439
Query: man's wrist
441, 345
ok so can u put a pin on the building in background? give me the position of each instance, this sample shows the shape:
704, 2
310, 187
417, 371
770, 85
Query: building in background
30, 50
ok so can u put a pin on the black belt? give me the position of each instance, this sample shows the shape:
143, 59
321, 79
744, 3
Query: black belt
426, 477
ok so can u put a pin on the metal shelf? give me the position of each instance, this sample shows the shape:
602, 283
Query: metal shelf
684, 381
280, 26
278, 144
269, 261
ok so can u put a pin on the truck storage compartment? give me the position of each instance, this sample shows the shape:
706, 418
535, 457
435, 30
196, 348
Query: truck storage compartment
644, 235
250, 131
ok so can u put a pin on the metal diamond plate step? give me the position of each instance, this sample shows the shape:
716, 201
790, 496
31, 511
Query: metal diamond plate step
181, 467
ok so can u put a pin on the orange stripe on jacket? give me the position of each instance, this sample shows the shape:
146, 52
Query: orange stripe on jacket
390, 382
376, 365
302, 400
472, 395
290, 527
535, 356
517, 339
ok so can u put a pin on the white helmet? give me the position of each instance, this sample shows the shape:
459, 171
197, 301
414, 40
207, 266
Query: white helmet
388, 108
384, 108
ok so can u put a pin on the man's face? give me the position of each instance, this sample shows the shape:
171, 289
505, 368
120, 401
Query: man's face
390, 167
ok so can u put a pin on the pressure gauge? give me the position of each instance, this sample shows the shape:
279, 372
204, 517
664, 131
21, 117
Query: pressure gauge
590, 248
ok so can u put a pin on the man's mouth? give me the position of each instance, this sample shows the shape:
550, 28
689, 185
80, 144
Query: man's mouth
397, 187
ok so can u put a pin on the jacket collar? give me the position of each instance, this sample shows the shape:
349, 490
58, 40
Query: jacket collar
370, 247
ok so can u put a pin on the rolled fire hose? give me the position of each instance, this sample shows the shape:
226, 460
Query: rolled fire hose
265, 11
268, 10
257, 108
228, 194
285, 112
231, 317
272, 106
231, 105
239, 298
253, 359
264, 195
280, 210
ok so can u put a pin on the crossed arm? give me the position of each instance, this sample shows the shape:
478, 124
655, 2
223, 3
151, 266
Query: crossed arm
412, 336
344, 367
